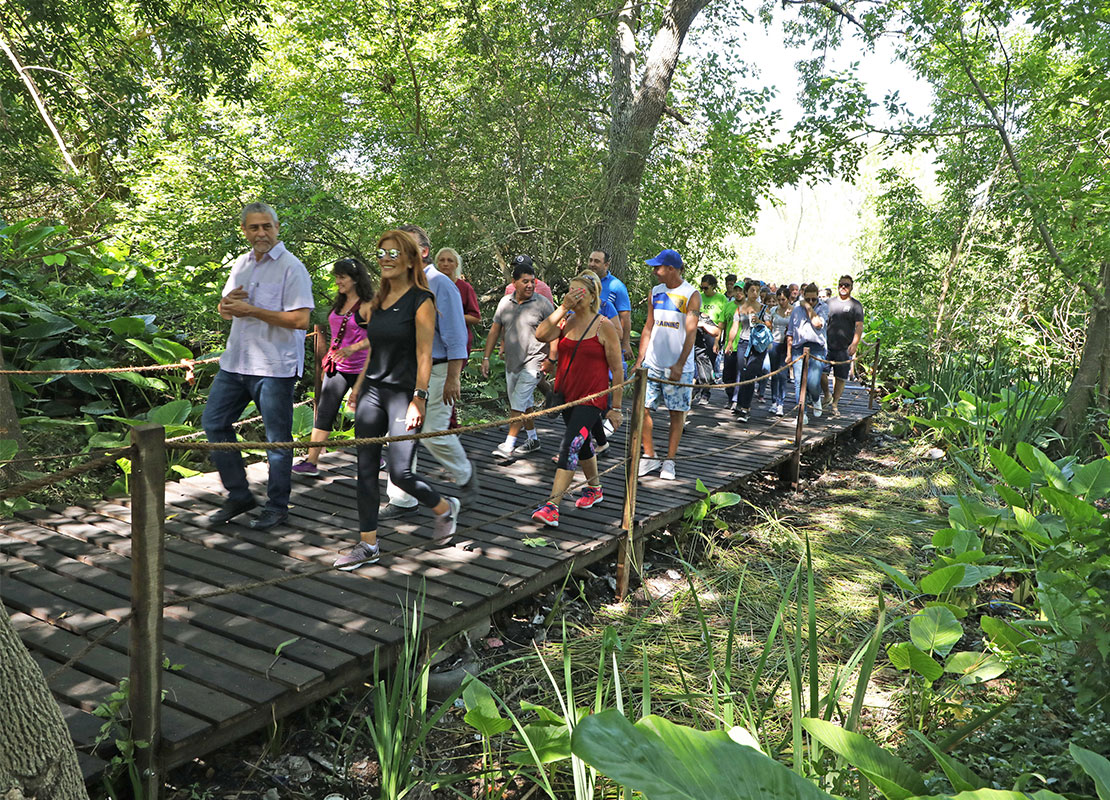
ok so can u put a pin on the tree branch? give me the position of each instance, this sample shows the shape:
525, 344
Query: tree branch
832, 5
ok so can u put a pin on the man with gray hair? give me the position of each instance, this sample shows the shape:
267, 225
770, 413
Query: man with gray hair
268, 298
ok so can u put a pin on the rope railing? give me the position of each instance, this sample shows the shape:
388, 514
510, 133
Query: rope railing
185, 363
668, 382
57, 477
337, 444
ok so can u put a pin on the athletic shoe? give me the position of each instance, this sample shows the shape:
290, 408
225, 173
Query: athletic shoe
777, 410
649, 465
269, 518
230, 510
588, 497
445, 524
742, 414
817, 410
805, 419
703, 401
731, 406
359, 555
394, 511
667, 472
306, 467
548, 514
529, 446
503, 450
601, 448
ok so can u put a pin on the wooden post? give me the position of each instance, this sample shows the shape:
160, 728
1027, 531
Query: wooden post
874, 375
320, 348
794, 471
148, 522
630, 551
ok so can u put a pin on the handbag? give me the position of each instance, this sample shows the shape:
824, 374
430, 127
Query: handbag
329, 363
557, 397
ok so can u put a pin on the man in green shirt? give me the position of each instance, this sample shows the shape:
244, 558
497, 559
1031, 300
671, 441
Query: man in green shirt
712, 323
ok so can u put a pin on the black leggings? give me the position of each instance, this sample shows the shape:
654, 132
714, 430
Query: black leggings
751, 365
577, 443
332, 390
382, 410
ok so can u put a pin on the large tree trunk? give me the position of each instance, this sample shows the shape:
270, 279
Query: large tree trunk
37, 759
9, 422
635, 111
1090, 388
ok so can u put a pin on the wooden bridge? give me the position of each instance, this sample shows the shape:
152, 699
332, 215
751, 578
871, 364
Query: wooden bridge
248, 657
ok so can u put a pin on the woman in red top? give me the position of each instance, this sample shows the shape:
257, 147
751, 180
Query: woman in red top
588, 355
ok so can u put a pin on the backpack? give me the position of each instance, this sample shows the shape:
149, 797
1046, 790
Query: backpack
760, 337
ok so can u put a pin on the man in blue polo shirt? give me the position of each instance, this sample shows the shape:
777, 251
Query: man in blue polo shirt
613, 290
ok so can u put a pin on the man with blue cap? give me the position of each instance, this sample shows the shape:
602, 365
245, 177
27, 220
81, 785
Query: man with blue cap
667, 350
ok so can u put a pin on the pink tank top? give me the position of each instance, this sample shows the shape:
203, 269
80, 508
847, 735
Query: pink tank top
346, 330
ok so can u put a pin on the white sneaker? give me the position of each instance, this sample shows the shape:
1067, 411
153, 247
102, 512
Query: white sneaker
667, 471
504, 450
649, 465
777, 410
817, 409
805, 419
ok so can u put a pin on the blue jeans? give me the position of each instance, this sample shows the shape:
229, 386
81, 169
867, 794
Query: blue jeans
813, 374
778, 382
273, 397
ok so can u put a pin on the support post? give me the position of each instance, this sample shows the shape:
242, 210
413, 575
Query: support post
148, 522
320, 349
794, 471
874, 375
630, 552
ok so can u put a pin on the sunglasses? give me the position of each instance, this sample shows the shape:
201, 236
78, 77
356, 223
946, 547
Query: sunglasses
845, 286
392, 252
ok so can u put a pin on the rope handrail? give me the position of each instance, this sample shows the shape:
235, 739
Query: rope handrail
337, 444
668, 382
55, 477
185, 363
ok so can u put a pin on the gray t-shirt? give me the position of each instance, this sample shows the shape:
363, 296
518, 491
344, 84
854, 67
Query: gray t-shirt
779, 324
843, 316
518, 323
277, 282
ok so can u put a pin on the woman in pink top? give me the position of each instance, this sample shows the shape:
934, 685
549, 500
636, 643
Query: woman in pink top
346, 352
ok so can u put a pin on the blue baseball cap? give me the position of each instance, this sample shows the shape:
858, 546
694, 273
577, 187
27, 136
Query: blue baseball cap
666, 258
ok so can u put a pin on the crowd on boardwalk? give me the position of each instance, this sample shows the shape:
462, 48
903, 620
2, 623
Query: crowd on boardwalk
397, 353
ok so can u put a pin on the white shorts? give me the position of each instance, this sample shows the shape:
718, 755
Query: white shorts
522, 389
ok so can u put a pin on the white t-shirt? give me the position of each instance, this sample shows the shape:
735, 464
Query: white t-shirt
277, 282
668, 336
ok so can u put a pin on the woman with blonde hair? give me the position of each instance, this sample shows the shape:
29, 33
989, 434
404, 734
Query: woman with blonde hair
391, 393
450, 263
588, 357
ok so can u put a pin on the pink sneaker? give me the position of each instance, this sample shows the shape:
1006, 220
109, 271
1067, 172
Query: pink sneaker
588, 497
548, 514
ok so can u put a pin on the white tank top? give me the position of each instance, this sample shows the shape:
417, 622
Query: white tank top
669, 333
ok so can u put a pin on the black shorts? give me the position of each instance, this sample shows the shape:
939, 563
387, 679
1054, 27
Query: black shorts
840, 370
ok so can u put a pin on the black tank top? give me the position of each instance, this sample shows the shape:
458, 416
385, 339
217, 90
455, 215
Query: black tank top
392, 335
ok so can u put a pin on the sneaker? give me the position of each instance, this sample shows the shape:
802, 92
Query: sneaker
817, 410
731, 406
529, 446
805, 419
548, 514
306, 467
269, 518
601, 448
445, 524
778, 410
588, 497
394, 511
357, 556
703, 401
667, 472
503, 450
742, 414
230, 510
649, 465
468, 492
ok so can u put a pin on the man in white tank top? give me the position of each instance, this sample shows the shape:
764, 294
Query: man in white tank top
667, 350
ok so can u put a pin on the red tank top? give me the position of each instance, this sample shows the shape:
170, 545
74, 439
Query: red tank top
588, 373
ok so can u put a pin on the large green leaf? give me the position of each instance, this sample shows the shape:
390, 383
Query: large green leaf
1075, 510
8, 449
1008, 636
891, 776
974, 667
174, 412
961, 778
47, 326
1094, 765
935, 630
551, 743
127, 326
664, 761
905, 656
481, 709
1012, 472
941, 580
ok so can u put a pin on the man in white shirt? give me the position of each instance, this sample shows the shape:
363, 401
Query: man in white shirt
268, 298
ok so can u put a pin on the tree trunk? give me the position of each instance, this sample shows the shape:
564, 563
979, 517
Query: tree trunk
37, 759
1090, 388
9, 423
635, 113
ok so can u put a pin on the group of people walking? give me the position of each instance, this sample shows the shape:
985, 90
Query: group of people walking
398, 354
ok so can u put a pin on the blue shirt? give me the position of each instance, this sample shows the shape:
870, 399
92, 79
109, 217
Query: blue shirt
607, 309
801, 330
613, 290
450, 337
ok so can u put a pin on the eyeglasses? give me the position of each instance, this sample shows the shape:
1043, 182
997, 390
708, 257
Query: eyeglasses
392, 252
845, 286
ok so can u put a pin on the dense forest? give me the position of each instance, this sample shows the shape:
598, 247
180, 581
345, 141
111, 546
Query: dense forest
132, 132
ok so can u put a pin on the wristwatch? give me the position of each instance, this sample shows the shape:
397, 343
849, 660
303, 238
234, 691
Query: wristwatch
421, 394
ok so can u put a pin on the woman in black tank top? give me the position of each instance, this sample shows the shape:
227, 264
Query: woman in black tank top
391, 393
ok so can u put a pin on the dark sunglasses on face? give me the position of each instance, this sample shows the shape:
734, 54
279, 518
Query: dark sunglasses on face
392, 252
845, 285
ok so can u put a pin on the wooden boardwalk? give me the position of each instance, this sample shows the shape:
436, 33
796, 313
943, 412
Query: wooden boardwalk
250, 657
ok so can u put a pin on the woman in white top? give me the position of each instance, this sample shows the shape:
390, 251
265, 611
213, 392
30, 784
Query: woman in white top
780, 320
